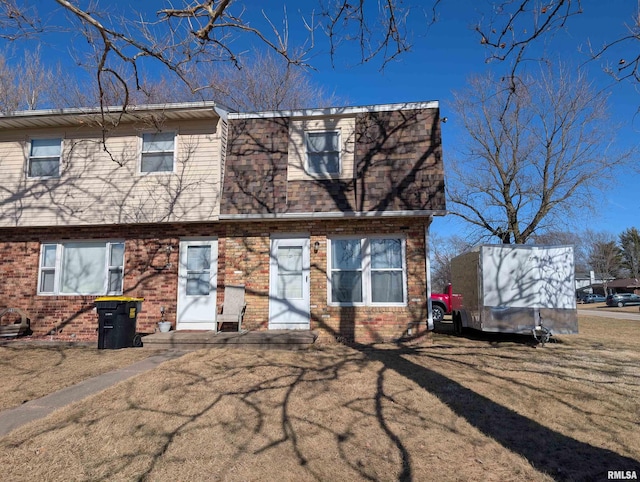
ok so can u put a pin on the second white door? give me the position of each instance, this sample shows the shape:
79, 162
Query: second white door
289, 300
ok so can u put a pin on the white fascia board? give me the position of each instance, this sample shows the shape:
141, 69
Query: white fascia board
79, 116
331, 111
113, 109
331, 215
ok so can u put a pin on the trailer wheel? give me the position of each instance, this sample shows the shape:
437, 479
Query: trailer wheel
457, 323
437, 313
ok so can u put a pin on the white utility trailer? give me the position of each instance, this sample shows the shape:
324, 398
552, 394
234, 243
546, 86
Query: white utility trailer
516, 289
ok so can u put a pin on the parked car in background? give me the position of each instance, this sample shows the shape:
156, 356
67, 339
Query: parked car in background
622, 299
593, 298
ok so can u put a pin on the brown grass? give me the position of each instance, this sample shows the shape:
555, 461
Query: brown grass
30, 372
483, 408
604, 307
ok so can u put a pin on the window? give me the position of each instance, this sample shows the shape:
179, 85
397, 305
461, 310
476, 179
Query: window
198, 270
157, 152
44, 158
323, 152
367, 271
81, 268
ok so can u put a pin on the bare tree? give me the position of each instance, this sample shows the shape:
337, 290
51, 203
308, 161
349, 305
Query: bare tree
513, 27
535, 149
443, 250
28, 84
630, 245
578, 240
267, 82
605, 256
187, 33
264, 82
24, 84
183, 33
9, 92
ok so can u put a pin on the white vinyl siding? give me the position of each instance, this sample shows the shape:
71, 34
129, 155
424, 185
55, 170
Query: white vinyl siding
367, 271
104, 186
81, 268
158, 152
44, 158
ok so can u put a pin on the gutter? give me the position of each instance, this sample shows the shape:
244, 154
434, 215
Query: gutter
332, 215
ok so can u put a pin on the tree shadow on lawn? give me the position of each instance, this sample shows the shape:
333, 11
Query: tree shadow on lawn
494, 338
550, 452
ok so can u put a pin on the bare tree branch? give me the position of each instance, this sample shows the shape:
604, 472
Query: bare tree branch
517, 23
532, 155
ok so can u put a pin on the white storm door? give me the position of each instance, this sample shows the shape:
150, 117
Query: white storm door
197, 280
289, 284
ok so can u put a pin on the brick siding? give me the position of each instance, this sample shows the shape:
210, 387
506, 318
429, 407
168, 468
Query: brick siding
243, 250
255, 180
398, 157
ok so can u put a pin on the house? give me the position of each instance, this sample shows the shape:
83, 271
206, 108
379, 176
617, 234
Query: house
624, 285
322, 214
591, 282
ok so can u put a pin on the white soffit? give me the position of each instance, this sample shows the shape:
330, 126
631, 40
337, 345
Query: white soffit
109, 116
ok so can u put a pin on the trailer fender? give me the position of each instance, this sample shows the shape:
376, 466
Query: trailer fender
460, 321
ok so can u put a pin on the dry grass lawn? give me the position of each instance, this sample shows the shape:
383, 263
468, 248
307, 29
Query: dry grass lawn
491, 408
604, 307
30, 372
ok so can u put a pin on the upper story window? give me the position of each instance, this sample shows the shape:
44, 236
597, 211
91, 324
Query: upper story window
81, 268
323, 152
158, 152
44, 158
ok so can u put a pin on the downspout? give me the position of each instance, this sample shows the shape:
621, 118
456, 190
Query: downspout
427, 263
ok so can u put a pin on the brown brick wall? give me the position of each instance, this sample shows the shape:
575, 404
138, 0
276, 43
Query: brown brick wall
255, 179
243, 250
247, 261
399, 161
146, 273
398, 167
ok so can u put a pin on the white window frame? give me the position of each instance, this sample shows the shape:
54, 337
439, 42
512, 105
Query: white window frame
306, 152
58, 267
30, 157
366, 269
142, 152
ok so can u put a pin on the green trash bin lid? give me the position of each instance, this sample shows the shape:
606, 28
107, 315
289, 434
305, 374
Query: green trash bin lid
118, 298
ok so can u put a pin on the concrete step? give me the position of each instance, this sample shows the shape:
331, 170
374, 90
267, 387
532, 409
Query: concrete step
265, 340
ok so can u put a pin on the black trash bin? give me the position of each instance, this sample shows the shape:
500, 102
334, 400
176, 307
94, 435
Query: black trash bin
117, 317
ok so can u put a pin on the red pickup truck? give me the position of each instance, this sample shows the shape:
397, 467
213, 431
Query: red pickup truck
443, 303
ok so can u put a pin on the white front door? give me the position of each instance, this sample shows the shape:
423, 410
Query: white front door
289, 284
197, 284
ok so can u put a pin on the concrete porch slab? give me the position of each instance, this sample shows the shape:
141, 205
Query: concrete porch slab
264, 340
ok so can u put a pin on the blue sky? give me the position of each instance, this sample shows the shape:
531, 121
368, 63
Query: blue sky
442, 59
